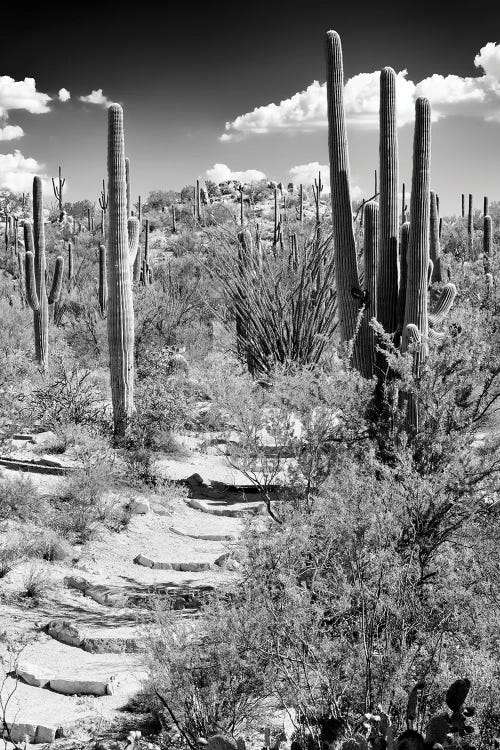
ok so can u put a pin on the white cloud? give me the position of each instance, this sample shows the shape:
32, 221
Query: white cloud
305, 111
64, 95
222, 173
96, 97
11, 132
17, 171
305, 174
21, 95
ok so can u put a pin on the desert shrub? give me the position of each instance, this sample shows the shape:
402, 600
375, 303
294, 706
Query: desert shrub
49, 545
67, 395
19, 499
161, 408
36, 584
209, 688
10, 555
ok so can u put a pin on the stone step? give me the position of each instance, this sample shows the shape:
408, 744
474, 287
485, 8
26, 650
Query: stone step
182, 597
240, 511
115, 640
194, 567
206, 537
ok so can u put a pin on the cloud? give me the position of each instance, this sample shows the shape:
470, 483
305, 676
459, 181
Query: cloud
477, 96
11, 132
305, 174
21, 95
64, 95
17, 171
96, 97
222, 173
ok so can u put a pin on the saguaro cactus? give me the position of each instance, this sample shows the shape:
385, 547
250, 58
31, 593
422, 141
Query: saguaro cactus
35, 277
470, 223
371, 256
134, 233
103, 203
435, 245
58, 192
388, 202
347, 278
487, 235
120, 301
70, 264
418, 244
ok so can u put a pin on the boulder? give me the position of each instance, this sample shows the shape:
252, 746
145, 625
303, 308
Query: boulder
140, 506
44, 735
146, 562
65, 632
221, 742
41, 438
33, 675
18, 732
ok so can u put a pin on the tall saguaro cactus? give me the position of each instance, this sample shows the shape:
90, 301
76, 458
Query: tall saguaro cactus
35, 277
120, 301
371, 255
58, 192
347, 278
388, 202
418, 243
435, 245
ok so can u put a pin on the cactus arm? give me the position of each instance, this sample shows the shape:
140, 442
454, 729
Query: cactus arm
55, 290
444, 305
133, 232
347, 278
388, 202
28, 237
120, 300
127, 177
29, 273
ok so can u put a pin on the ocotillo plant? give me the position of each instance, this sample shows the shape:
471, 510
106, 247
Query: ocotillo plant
435, 245
35, 278
120, 301
58, 192
103, 280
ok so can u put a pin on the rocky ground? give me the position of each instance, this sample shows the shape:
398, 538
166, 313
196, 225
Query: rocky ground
74, 660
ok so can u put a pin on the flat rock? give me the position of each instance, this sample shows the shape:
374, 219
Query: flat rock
220, 742
81, 687
51, 461
205, 537
33, 675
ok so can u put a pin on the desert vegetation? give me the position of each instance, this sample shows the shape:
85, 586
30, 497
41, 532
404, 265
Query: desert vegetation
343, 358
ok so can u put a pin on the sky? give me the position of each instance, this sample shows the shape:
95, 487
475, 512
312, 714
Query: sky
214, 90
